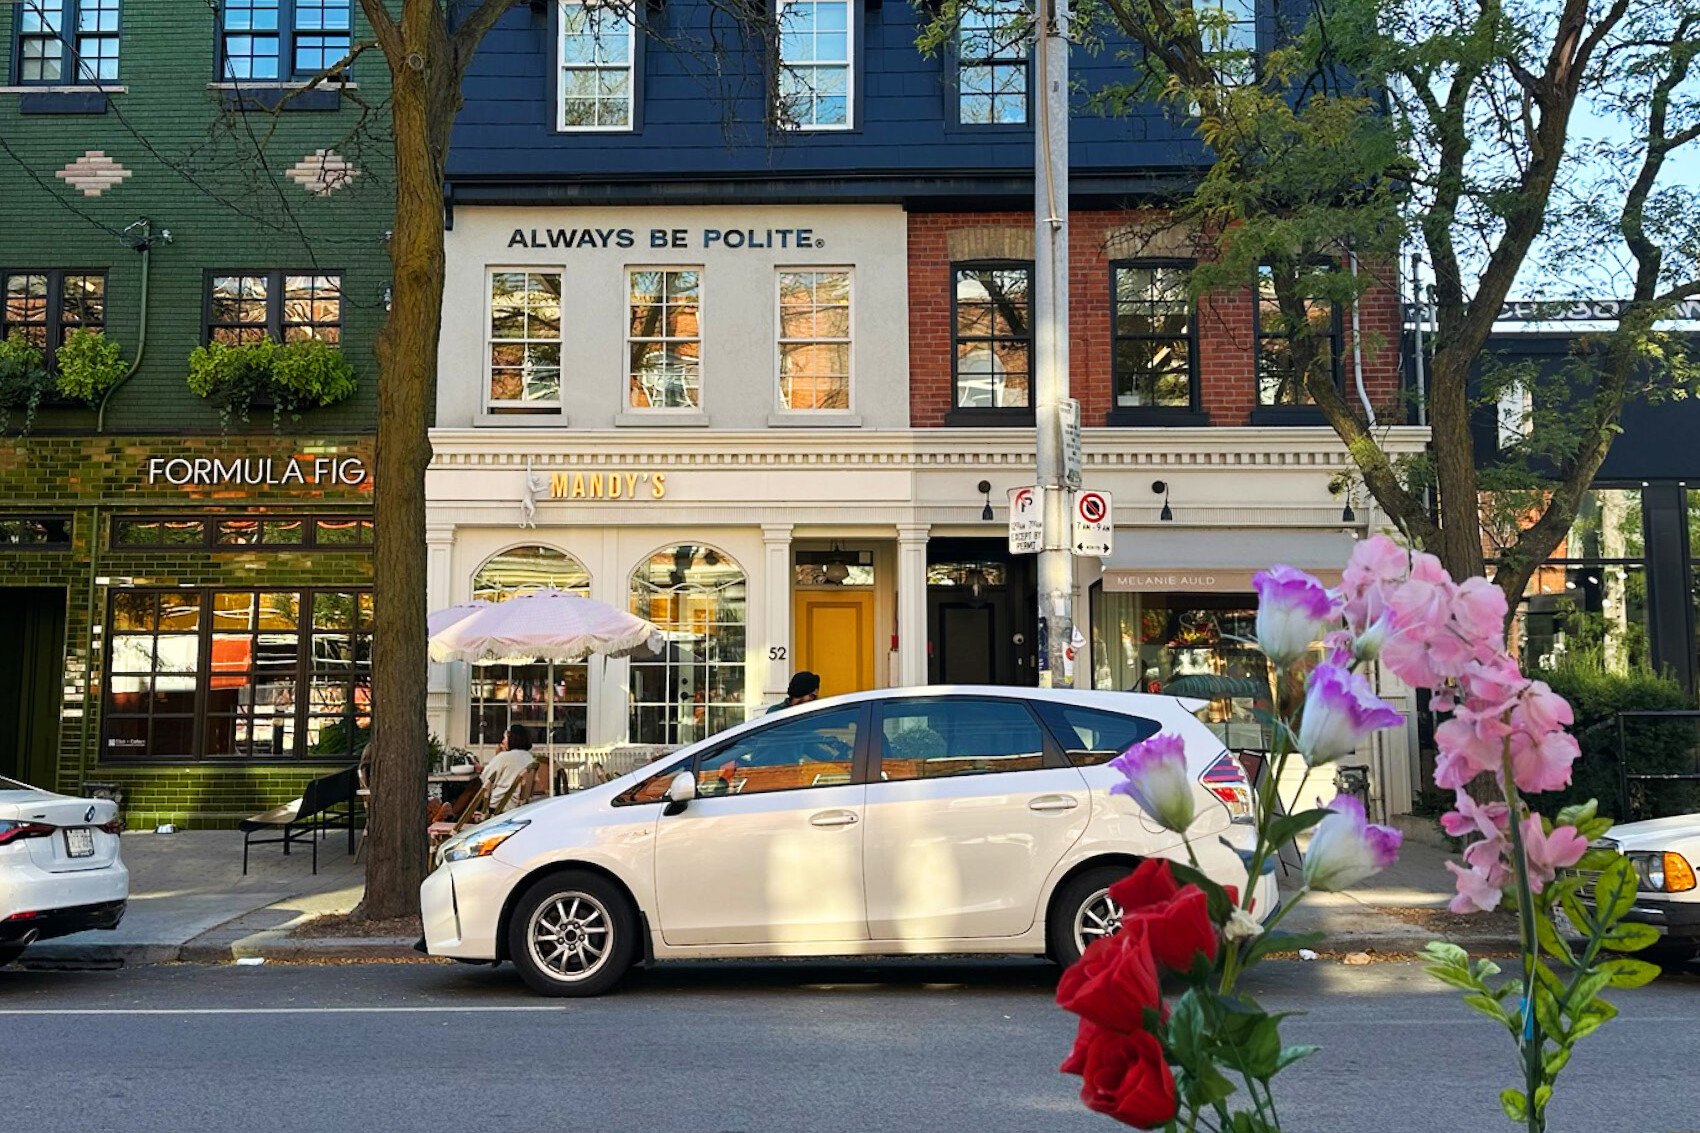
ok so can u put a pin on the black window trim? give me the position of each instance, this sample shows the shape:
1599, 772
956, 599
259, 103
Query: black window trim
1051, 759
1266, 414
714, 748
1061, 741
56, 302
1193, 412
69, 520
203, 660
1014, 415
274, 297
286, 32
209, 532
953, 91
70, 63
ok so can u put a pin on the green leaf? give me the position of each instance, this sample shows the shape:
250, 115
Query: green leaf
1614, 891
1247, 1122
1547, 933
1261, 1048
1292, 1054
1594, 828
1286, 827
1580, 915
1630, 937
1555, 1061
1487, 1005
1515, 1105
1596, 858
1186, 1032
1596, 1014
1206, 1087
1442, 952
1216, 898
1587, 985
1546, 1012
1450, 975
1577, 813
1543, 1095
1625, 972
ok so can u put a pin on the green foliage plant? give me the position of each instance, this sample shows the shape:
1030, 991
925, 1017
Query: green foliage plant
89, 365
292, 377
24, 381
310, 373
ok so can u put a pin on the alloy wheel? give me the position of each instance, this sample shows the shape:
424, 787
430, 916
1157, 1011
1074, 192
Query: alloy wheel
1098, 916
569, 936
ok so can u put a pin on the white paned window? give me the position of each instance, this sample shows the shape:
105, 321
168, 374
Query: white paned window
524, 344
991, 63
664, 338
815, 44
1228, 30
814, 339
597, 46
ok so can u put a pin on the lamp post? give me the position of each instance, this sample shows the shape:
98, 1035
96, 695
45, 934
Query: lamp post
1050, 335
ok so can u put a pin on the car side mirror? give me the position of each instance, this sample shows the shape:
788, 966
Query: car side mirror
680, 791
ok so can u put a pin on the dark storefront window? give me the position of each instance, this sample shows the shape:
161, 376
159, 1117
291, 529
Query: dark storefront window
1143, 642
243, 532
237, 674
535, 693
35, 532
694, 686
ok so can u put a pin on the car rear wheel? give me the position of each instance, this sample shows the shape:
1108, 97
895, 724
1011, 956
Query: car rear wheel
1083, 912
572, 934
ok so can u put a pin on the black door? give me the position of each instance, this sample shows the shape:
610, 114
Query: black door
981, 614
32, 669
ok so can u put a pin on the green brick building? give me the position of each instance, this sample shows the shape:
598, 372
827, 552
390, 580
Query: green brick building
185, 591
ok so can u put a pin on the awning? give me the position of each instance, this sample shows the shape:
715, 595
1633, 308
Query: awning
1220, 560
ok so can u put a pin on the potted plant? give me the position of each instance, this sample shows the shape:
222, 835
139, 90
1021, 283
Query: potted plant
290, 378
24, 380
89, 365
309, 373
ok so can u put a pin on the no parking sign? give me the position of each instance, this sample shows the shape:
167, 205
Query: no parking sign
1092, 523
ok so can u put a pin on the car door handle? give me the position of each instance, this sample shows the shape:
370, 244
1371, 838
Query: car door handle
833, 818
1053, 802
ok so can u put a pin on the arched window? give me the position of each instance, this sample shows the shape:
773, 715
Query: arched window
504, 694
694, 687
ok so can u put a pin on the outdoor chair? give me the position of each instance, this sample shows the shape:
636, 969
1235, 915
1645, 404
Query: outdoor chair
326, 801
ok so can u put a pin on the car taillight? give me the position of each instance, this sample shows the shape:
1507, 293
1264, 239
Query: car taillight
1225, 779
116, 826
17, 831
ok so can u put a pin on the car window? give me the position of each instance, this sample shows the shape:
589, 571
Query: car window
928, 739
651, 790
818, 750
1090, 735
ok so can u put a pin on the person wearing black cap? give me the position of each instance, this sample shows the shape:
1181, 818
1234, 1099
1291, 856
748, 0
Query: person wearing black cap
804, 687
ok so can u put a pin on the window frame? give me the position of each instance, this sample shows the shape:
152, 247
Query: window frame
55, 324
990, 414
276, 279
522, 408
209, 532
959, 61
852, 70
627, 375
634, 68
848, 338
1153, 414
71, 66
1306, 412
204, 633
287, 32
43, 519
1051, 758
859, 758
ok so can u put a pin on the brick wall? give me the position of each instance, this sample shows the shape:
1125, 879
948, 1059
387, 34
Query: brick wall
1225, 322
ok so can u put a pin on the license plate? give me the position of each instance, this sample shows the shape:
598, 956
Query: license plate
79, 842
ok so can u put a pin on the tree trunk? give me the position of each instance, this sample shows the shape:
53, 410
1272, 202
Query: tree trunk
1459, 546
407, 364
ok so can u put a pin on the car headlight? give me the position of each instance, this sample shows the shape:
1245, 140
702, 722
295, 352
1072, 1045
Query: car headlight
1662, 871
482, 842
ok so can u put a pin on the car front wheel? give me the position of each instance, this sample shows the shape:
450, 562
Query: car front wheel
572, 934
1083, 912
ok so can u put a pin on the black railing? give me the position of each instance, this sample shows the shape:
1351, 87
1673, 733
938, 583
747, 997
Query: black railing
1658, 763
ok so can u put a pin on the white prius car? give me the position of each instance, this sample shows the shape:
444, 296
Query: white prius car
903, 821
59, 866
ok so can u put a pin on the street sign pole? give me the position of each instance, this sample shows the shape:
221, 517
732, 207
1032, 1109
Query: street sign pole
1050, 337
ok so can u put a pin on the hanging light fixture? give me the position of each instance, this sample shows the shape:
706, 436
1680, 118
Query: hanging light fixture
975, 577
1166, 515
1347, 515
984, 487
836, 569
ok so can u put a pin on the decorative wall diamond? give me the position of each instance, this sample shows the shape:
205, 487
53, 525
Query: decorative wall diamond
93, 173
323, 171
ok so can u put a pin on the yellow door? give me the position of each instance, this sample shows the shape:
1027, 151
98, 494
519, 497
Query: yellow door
835, 638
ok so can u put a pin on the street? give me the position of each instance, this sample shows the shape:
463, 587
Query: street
753, 1048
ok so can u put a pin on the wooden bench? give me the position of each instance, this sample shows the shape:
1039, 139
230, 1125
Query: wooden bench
326, 801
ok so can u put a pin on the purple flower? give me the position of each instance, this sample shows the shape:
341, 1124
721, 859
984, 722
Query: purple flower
1347, 848
1340, 710
1157, 780
1293, 611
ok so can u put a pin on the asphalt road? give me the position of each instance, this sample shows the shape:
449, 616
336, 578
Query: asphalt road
752, 1048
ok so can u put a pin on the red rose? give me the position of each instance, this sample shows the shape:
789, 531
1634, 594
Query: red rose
1075, 1063
1151, 883
1179, 929
1114, 981
1125, 1077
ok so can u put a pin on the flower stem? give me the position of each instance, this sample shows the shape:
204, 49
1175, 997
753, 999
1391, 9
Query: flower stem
1533, 1039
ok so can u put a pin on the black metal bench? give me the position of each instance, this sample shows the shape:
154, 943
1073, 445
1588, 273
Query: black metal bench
326, 801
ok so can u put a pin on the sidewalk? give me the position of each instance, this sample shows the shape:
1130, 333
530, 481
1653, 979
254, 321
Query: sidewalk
190, 902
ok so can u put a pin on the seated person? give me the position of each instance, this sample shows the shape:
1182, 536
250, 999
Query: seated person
503, 778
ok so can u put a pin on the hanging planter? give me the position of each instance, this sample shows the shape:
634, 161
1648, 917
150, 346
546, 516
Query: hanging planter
289, 378
89, 365
24, 381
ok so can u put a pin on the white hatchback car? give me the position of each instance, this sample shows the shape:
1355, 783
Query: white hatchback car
904, 821
59, 866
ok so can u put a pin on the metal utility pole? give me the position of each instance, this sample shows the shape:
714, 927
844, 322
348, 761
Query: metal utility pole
1050, 335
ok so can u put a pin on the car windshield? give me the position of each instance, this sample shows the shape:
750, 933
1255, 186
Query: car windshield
13, 785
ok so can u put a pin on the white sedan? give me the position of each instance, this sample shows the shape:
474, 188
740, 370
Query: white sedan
59, 866
904, 821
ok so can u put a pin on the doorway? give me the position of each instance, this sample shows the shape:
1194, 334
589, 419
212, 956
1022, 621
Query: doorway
981, 614
32, 669
835, 638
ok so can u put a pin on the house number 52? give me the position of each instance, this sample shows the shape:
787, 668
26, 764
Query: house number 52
776, 653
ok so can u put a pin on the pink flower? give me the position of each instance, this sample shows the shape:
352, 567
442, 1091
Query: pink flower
1293, 611
1347, 848
1469, 745
1543, 763
1487, 819
1478, 890
1478, 612
1377, 565
1549, 853
1339, 711
1157, 780
1543, 710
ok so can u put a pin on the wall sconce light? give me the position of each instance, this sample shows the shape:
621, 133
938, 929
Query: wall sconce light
1347, 515
1166, 515
984, 487
836, 569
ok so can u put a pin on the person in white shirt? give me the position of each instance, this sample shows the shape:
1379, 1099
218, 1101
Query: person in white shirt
505, 772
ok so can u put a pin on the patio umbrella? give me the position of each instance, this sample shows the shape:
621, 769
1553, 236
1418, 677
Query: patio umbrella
440, 620
544, 625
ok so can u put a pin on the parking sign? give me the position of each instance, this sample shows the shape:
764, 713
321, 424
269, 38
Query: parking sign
1092, 523
1026, 521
